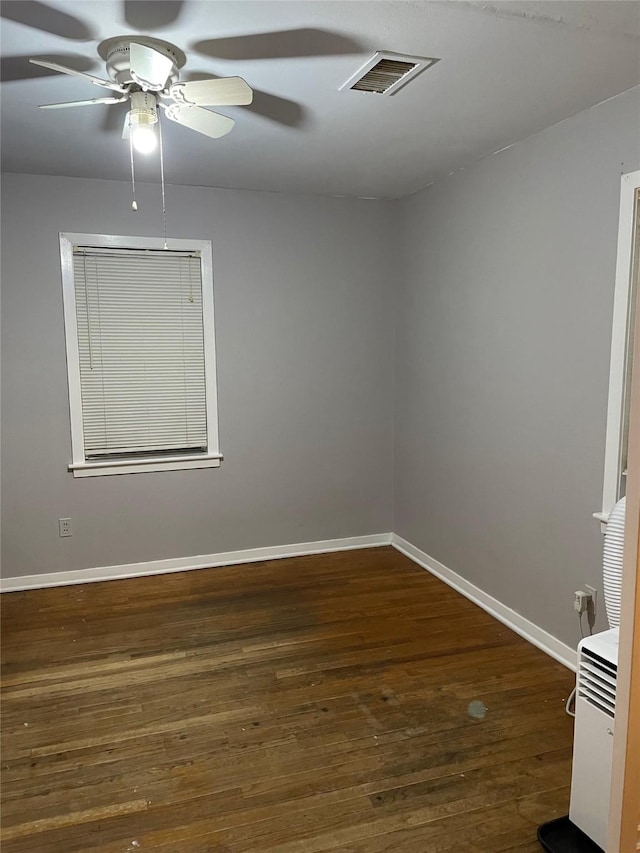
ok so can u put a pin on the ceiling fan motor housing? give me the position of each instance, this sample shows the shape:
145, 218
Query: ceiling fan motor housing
144, 112
115, 51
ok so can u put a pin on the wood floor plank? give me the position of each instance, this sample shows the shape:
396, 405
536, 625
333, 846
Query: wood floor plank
312, 704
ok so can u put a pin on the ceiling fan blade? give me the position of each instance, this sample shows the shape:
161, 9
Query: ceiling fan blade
226, 91
111, 118
18, 67
81, 103
97, 81
149, 68
203, 121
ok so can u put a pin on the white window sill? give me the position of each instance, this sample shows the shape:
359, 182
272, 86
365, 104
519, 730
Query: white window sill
127, 466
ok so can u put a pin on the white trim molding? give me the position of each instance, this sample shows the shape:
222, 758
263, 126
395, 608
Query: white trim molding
511, 618
185, 564
81, 466
622, 303
124, 466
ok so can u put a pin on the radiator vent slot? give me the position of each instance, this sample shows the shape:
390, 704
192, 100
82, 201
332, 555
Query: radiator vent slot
384, 73
597, 681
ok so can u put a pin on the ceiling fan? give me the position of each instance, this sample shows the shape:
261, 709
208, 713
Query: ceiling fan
145, 71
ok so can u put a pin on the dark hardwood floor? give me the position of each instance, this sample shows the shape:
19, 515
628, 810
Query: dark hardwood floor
310, 704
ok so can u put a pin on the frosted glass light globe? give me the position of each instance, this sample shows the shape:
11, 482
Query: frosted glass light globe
144, 139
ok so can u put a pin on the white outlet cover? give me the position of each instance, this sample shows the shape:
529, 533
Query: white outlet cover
64, 527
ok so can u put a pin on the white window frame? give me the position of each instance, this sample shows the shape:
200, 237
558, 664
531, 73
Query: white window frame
629, 185
80, 466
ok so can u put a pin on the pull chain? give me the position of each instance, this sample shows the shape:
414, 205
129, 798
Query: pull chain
134, 203
164, 205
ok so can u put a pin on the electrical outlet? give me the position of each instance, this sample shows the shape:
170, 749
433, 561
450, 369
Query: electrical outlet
593, 592
64, 527
581, 600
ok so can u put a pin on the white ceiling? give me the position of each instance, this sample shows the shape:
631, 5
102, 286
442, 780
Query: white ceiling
507, 70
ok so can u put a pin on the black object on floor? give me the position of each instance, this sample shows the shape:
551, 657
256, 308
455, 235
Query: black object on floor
562, 836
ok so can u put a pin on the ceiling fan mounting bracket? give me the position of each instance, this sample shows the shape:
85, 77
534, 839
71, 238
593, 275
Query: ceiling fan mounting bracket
115, 52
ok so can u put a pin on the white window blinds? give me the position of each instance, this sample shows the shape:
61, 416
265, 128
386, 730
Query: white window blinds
141, 352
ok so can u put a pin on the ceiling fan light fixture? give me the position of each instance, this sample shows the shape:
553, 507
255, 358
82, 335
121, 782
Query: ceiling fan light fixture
146, 73
142, 118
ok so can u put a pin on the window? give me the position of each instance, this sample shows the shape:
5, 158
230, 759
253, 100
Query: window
140, 354
626, 291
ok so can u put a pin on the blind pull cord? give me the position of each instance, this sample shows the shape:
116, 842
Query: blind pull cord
86, 299
190, 285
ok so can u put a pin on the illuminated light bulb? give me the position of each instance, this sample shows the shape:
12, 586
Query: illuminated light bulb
144, 139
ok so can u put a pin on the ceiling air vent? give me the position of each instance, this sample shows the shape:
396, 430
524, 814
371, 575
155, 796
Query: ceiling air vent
384, 73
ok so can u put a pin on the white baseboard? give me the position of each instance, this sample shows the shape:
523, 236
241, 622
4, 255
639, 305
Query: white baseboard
542, 639
512, 619
185, 564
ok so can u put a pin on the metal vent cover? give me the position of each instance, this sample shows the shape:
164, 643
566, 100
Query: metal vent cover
597, 679
385, 72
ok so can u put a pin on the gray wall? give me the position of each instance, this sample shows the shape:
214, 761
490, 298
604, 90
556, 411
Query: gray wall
503, 287
304, 345
503, 337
